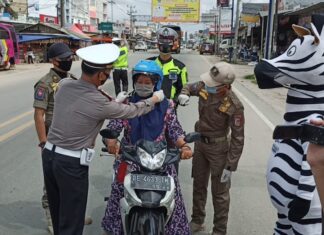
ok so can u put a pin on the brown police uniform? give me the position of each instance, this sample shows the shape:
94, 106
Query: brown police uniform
221, 124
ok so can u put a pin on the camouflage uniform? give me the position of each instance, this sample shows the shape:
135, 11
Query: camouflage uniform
44, 91
217, 150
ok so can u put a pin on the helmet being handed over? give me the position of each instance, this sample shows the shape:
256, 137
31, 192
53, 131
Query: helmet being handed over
151, 69
166, 37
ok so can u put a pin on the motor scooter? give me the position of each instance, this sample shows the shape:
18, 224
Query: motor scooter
149, 192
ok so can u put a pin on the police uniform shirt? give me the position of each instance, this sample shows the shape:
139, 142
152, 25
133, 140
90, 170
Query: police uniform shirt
44, 91
80, 111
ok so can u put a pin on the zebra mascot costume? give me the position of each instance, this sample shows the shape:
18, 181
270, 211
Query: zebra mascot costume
290, 181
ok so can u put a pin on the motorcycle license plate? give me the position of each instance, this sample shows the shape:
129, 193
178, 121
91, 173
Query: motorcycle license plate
151, 182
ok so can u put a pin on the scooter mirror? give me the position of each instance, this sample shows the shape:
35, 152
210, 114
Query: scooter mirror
192, 137
109, 134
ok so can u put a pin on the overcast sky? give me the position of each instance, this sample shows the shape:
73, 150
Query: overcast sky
143, 7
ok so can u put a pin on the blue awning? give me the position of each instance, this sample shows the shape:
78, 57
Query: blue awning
37, 37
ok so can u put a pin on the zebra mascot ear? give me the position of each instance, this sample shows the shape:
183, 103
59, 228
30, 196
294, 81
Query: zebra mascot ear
316, 34
300, 31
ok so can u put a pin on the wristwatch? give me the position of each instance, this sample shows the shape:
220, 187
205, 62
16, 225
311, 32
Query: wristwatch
42, 144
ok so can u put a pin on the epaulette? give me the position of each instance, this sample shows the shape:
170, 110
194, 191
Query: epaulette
105, 94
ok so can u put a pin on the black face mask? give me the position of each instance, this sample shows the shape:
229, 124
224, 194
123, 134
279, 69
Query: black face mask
165, 48
65, 65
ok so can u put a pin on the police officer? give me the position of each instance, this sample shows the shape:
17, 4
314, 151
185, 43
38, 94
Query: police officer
80, 110
174, 71
61, 58
120, 66
218, 153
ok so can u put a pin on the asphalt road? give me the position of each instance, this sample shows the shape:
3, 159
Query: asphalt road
21, 173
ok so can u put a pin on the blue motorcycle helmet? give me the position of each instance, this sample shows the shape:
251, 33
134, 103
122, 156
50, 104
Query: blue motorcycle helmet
150, 68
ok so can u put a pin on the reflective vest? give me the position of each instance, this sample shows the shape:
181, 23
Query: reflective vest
175, 76
122, 61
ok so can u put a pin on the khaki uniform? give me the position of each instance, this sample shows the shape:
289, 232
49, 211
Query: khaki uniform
44, 91
217, 150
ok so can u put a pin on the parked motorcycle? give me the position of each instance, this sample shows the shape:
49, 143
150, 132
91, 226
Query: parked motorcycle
149, 192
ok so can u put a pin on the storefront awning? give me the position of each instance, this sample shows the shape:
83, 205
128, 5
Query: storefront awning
77, 33
38, 37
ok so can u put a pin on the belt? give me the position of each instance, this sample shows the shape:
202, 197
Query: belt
212, 140
70, 153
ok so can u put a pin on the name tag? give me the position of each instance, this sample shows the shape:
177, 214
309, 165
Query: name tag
173, 74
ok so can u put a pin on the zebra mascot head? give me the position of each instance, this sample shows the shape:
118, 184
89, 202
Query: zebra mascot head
301, 64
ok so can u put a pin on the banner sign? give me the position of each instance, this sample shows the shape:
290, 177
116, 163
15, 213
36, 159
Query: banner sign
48, 19
175, 11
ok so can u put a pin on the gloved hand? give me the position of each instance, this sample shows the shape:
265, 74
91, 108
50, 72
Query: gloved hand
121, 97
298, 208
183, 99
226, 176
159, 94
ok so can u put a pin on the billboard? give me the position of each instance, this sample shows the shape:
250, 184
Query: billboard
175, 10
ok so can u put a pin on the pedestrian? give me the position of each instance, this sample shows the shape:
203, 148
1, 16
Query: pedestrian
221, 124
30, 55
147, 77
80, 111
44, 90
121, 66
174, 71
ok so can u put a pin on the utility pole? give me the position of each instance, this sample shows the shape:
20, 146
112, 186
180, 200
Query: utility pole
62, 2
269, 32
130, 13
237, 21
215, 41
219, 28
112, 2
232, 22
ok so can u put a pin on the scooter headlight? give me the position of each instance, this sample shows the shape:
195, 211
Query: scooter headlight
151, 162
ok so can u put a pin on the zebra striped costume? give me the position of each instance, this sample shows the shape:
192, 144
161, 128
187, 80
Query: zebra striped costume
290, 181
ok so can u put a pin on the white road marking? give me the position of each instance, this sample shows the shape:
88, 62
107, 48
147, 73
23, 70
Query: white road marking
253, 107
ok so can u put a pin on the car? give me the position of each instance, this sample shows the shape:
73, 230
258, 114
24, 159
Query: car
206, 48
140, 46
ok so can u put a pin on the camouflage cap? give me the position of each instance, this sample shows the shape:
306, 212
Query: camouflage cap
220, 73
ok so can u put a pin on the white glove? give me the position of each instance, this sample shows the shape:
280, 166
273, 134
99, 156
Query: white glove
183, 99
226, 176
159, 94
121, 97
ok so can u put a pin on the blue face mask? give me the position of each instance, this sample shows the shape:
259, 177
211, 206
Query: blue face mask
211, 90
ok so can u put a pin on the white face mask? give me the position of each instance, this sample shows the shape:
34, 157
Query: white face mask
144, 90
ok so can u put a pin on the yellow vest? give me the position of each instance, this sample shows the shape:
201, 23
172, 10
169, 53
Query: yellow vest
122, 61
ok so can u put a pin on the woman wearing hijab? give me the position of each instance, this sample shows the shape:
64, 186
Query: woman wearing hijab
154, 126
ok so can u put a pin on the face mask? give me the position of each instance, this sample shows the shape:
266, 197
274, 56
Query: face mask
165, 48
211, 90
65, 65
143, 90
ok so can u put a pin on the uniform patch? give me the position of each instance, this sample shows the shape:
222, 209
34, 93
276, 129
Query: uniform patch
40, 94
238, 120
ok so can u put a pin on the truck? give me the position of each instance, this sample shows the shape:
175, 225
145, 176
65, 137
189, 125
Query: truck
177, 43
